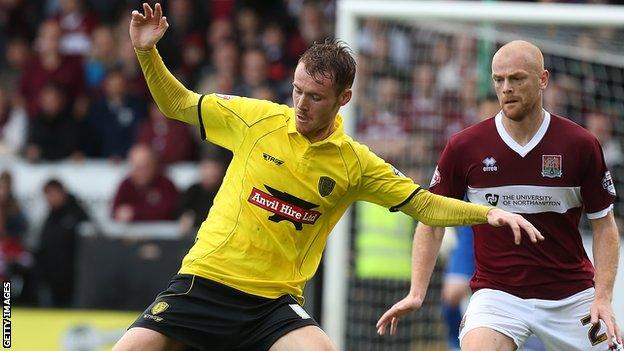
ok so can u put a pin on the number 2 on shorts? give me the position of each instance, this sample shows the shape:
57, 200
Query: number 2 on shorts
593, 335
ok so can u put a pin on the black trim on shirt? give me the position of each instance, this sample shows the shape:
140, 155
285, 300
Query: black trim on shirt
396, 208
202, 131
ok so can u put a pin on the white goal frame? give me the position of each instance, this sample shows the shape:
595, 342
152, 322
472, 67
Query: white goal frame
348, 13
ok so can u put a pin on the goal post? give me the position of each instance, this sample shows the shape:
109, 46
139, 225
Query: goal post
487, 22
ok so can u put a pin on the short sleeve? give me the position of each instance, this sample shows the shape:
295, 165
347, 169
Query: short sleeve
597, 187
383, 184
447, 179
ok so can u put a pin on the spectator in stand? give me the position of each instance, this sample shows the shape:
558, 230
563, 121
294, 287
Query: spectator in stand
247, 27
219, 31
423, 104
273, 41
56, 255
77, 25
13, 126
193, 59
311, 27
389, 46
222, 74
383, 128
50, 66
601, 126
197, 200
53, 133
15, 261
254, 72
146, 194
170, 139
185, 17
18, 18
16, 55
13, 223
100, 59
113, 119
135, 83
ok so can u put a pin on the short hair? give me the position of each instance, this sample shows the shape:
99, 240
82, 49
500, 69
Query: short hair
331, 59
53, 184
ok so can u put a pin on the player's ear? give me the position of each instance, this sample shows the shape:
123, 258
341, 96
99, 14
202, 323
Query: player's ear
544, 78
345, 96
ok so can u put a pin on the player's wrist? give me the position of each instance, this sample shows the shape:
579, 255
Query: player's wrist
417, 294
603, 297
144, 49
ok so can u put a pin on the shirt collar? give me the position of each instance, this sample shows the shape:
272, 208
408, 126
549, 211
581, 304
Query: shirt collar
336, 137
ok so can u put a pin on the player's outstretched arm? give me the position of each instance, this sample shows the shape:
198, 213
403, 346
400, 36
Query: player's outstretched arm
606, 250
441, 211
425, 248
172, 98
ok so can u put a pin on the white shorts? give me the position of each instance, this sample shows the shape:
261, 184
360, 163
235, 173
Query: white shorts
559, 324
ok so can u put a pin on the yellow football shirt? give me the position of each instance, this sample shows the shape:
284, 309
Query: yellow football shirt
282, 195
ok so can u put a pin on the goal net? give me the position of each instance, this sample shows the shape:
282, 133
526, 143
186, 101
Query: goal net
424, 74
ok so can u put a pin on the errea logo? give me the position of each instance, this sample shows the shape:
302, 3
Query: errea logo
489, 164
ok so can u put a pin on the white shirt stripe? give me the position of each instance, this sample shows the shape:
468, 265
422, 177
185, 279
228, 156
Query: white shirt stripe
528, 198
600, 214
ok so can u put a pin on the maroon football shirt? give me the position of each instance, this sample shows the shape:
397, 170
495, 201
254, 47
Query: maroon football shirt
560, 173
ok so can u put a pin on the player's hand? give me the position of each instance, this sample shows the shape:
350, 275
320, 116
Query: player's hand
124, 213
601, 309
497, 218
146, 29
392, 316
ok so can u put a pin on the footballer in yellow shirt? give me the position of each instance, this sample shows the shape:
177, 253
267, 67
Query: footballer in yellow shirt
293, 174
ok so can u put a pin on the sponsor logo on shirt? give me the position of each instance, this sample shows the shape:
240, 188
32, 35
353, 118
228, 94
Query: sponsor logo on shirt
225, 96
607, 183
285, 207
489, 164
436, 178
551, 166
491, 199
325, 185
270, 158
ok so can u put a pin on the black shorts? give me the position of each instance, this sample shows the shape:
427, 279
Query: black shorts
207, 315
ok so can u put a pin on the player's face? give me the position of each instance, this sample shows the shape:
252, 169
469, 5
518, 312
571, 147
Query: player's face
518, 85
316, 104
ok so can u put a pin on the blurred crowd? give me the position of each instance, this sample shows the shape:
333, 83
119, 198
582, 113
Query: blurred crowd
71, 89
71, 86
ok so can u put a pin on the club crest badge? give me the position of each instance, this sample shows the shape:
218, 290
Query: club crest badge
325, 185
159, 307
551, 166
